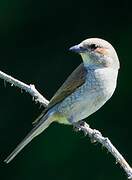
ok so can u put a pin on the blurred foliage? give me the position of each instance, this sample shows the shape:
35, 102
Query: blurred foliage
34, 41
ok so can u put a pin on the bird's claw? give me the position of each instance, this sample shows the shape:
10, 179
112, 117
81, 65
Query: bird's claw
76, 128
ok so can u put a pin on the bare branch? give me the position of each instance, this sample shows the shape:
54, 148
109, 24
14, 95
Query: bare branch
28, 88
94, 135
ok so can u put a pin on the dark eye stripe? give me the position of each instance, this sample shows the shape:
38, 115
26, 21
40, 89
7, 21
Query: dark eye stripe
93, 46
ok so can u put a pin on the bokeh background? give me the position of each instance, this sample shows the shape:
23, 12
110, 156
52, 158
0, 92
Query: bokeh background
34, 41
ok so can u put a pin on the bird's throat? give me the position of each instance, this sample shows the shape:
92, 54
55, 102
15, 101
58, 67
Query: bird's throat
86, 59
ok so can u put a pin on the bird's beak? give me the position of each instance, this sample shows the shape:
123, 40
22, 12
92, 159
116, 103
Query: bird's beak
77, 49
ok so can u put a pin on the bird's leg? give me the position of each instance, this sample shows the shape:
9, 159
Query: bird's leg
83, 126
77, 126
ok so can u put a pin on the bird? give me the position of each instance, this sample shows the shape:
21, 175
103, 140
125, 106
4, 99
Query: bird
84, 92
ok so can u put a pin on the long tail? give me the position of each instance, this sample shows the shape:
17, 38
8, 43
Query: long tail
40, 127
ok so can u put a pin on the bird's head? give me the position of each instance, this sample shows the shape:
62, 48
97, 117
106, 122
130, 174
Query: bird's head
97, 52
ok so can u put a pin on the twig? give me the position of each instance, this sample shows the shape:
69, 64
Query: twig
28, 88
94, 135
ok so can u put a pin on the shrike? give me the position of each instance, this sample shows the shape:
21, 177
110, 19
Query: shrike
85, 91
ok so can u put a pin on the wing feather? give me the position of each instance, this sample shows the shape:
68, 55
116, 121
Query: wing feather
75, 80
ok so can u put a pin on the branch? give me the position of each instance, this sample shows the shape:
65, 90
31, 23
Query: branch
28, 88
94, 135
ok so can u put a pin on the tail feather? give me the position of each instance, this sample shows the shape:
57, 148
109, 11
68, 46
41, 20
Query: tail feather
40, 127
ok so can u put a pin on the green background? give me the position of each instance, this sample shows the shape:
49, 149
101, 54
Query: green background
34, 41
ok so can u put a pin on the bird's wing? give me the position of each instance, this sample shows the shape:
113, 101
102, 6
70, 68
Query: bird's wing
75, 80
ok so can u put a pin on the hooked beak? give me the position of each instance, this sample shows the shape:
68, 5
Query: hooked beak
77, 49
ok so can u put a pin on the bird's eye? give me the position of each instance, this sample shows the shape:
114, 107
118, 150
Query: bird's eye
93, 46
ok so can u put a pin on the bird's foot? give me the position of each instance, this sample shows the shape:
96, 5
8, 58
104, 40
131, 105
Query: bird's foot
77, 126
